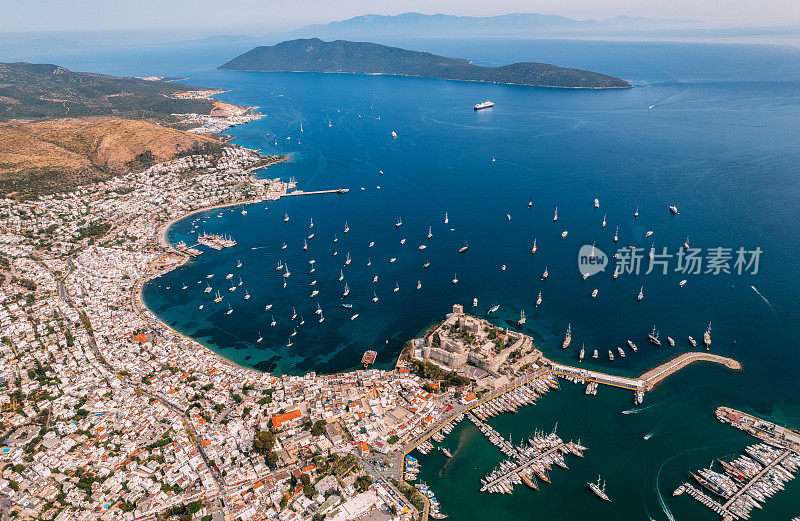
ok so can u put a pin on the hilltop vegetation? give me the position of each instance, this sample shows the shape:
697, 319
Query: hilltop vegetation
112, 126
44, 157
315, 55
33, 91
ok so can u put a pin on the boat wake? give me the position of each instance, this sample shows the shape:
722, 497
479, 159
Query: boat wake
661, 502
637, 410
763, 298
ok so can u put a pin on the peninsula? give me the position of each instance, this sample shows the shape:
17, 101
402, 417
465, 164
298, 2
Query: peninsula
341, 56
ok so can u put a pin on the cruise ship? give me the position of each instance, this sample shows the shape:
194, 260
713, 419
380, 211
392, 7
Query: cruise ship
485, 105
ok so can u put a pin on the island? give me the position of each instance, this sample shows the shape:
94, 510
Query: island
341, 56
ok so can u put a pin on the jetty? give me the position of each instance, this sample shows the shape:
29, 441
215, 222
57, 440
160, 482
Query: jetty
315, 192
647, 381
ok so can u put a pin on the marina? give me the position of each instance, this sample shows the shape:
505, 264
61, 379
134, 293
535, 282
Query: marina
747, 481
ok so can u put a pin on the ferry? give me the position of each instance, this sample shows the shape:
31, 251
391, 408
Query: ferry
567, 337
539, 299
522, 318
533, 250
653, 336
483, 105
493, 309
463, 248
598, 491
707, 336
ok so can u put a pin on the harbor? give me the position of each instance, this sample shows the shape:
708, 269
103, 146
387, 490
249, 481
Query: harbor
749, 480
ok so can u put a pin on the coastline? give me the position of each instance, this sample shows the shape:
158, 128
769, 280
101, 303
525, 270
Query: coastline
629, 86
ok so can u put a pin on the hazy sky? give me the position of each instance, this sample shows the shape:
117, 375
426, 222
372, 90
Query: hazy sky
222, 16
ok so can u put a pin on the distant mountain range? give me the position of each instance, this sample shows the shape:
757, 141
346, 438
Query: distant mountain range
411, 25
315, 55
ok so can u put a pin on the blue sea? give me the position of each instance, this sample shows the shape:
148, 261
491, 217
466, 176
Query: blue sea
710, 129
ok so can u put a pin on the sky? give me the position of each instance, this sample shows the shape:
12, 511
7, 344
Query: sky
260, 16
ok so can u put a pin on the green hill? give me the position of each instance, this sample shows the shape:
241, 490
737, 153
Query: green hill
315, 55
34, 91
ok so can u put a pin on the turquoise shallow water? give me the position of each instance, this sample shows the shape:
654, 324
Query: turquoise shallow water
720, 142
